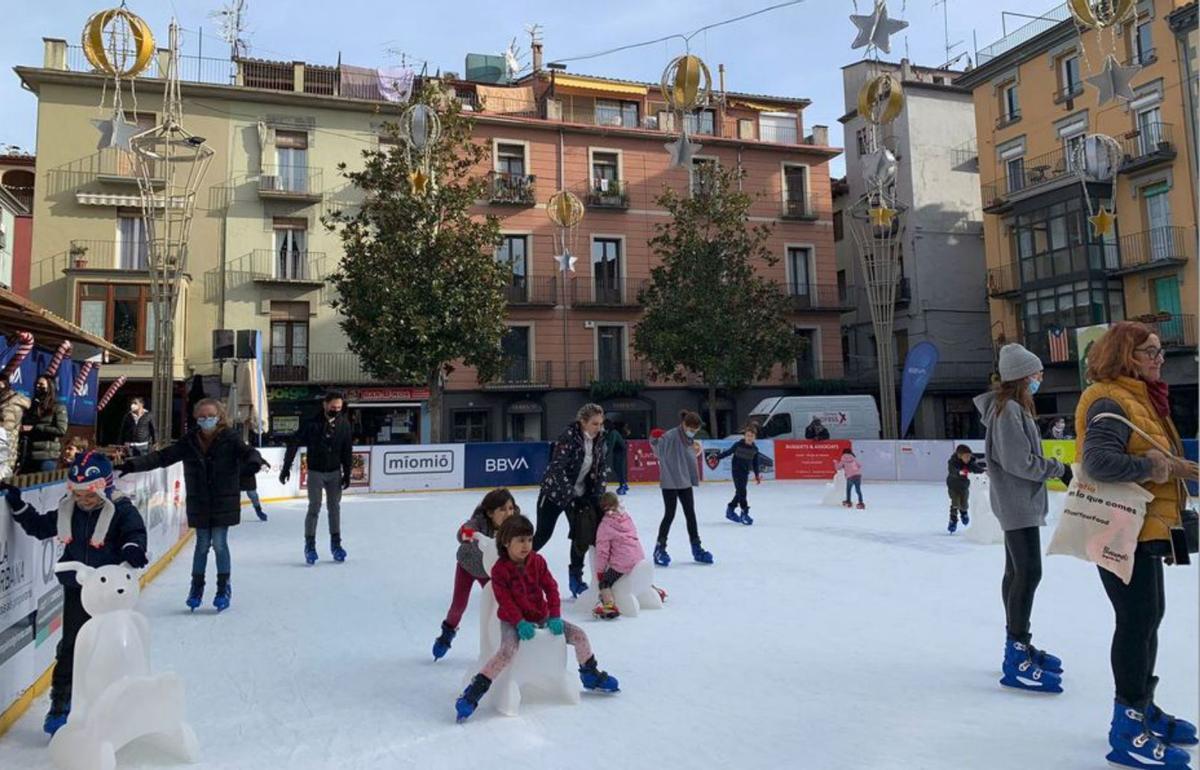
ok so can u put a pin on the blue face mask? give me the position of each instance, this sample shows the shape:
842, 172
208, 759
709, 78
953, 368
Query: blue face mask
207, 423
1033, 386
690, 433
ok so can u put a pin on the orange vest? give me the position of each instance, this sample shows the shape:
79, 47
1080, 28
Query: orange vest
1162, 513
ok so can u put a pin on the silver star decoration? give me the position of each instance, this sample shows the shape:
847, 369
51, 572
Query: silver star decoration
566, 262
876, 29
879, 168
1113, 81
682, 150
115, 132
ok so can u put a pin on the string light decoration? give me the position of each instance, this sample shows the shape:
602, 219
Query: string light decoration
171, 163
420, 130
119, 45
876, 219
686, 87
565, 210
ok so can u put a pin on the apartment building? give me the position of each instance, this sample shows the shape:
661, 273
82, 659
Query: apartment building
1048, 272
940, 298
260, 255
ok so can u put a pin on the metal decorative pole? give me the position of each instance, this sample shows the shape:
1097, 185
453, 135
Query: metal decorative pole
565, 210
171, 164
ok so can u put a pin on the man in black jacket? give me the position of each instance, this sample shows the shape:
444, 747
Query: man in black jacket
137, 429
330, 445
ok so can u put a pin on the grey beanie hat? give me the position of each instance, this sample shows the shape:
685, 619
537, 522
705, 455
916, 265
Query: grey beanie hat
1017, 363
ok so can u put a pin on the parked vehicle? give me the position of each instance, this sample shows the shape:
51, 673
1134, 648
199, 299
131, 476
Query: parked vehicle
845, 417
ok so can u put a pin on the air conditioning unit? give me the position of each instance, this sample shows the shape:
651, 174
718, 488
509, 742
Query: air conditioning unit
589, 324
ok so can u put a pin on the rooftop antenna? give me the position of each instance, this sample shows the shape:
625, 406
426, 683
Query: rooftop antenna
946, 31
233, 25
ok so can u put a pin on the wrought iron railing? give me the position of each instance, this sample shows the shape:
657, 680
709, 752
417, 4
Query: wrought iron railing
515, 189
300, 181
1159, 244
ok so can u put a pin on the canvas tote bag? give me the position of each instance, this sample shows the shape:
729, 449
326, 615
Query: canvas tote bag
1101, 521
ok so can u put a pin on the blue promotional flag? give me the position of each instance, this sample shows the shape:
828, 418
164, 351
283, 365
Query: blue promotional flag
918, 371
25, 376
82, 408
64, 380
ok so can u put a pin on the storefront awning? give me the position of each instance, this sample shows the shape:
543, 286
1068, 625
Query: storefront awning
50, 330
609, 86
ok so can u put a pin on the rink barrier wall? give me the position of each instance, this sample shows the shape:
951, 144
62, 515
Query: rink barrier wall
31, 597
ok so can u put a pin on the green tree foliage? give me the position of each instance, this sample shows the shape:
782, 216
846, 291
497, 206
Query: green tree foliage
419, 288
708, 312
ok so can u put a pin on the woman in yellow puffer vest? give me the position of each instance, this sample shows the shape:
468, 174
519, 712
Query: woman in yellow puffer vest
1126, 369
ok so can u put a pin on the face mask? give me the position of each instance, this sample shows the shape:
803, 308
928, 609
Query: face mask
41, 388
207, 423
1033, 386
333, 413
690, 433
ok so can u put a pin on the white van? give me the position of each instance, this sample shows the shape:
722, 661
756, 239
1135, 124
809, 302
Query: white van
847, 417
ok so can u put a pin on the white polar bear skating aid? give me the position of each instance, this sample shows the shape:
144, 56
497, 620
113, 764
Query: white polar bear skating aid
631, 593
540, 664
835, 490
115, 698
985, 527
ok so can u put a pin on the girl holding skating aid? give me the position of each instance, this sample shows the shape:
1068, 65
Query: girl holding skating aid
850, 465
746, 458
492, 511
618, 551
527, 599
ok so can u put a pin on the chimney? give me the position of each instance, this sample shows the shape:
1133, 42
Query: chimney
721, 78
906, 73
537, 56
820, 136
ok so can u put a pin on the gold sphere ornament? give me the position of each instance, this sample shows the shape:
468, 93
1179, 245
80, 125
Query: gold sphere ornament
686, 83
881, 99
565, 209
1101, 14
118, 42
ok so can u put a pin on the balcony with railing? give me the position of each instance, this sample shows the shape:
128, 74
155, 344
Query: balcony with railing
1006, 119
607, 194
523, 374
1038, 174
285, 266
1155, 249
1022, 34
589, 372
778, 134
1068, 93
606, 292
109, 255
288, 366
297, 183
798, 207
1004, 282
1175, 332
810, 297
1147, 146
117, 166
512, 189
532, 290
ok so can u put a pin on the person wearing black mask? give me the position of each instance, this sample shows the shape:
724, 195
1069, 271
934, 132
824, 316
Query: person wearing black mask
329, 442
44, 426
137, 428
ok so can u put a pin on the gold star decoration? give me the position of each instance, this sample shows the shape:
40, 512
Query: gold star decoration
882, 216
419, 181
1103, 223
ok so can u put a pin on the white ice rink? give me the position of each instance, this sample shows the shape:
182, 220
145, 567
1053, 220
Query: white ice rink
821, 638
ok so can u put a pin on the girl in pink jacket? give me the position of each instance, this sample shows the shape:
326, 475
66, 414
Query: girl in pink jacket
618, 551
853, 470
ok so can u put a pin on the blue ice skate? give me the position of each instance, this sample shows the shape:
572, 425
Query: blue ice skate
335, 548
731, 514
1175, 731
441, 645
466, 704
700, 555
1134, 745
310, 550
224, 593
661, 557
196, 592
596, 680
1021, 673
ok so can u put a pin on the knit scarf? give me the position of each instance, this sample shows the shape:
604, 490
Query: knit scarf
1157, 391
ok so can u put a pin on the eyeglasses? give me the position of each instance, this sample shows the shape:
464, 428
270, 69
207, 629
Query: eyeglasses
1150, 353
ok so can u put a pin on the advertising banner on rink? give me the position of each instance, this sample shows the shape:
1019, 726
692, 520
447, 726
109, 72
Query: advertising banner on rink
643, 465
803, 459
417, 466
506, 464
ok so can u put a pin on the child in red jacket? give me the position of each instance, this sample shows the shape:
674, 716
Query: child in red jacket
491, 512
527, 598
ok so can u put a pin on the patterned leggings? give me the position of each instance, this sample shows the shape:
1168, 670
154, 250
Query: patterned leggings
509, 641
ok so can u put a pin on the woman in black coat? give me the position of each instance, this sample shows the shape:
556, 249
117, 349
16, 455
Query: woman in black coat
214, 460
573, 483
44, 426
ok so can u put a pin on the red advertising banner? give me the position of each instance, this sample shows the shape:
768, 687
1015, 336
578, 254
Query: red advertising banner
807, 459
364, 395
643, 465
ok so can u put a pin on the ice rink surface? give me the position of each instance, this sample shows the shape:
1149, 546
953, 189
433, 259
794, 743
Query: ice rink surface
821, 638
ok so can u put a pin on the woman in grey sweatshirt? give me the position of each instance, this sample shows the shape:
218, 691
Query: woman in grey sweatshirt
1017, 475
678, 472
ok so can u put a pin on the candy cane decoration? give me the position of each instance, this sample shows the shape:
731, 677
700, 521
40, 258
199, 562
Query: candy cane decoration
81, 378
63, 351
24, 348
112, 391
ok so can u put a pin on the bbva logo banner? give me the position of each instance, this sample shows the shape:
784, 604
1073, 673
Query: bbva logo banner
510, 464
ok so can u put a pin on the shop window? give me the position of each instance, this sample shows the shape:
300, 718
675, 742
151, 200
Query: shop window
121, 312
469, 425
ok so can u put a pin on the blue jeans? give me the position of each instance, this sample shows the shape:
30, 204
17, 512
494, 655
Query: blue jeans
216, 538
253, 495
855, 483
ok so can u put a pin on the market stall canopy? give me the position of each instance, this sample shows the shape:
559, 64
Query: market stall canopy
20, 314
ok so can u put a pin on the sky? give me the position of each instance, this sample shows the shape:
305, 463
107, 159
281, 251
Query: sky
793, 51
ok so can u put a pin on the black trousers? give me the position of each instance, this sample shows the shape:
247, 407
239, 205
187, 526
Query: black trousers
1139, 608
670, 498
739, 492
74, 616
547, 516
1022, 573
620, 466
